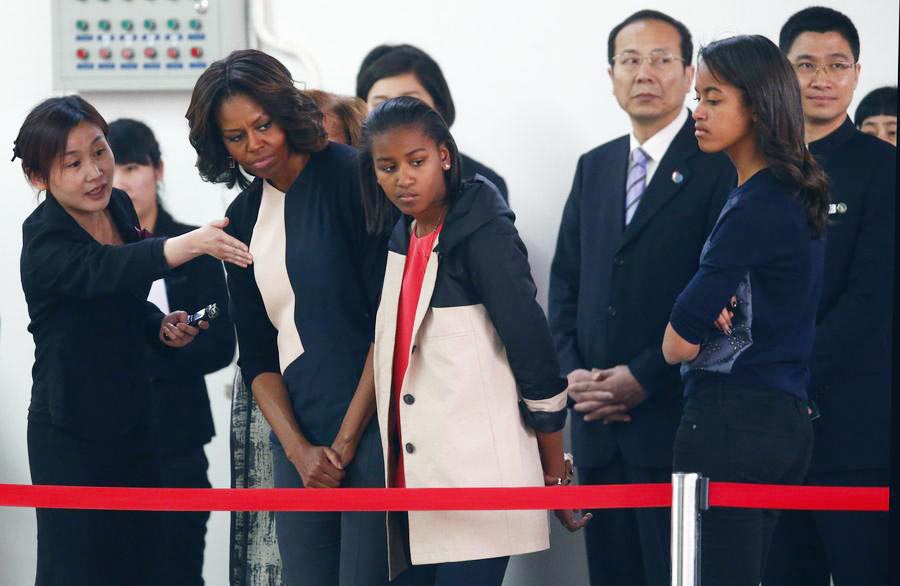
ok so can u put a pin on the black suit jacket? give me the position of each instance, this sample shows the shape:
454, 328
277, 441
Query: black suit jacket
851, 367
90, 319
471, 167
180, 416
612, 288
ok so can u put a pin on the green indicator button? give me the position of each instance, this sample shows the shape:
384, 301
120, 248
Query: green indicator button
81, 25
127, 25
195, 24
104, 25
172, 23
150, 24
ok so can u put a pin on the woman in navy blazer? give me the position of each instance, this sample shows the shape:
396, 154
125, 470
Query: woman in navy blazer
305, 311
86, 269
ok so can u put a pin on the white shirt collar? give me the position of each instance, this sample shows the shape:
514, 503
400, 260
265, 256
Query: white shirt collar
656, 146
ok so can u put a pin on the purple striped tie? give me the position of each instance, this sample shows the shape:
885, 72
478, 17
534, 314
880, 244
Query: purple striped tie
636, 182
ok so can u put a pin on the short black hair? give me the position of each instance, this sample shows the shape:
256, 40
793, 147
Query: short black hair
265, 80
132, 141
687, 44
818, 19
391, 60
878, 102
42, 138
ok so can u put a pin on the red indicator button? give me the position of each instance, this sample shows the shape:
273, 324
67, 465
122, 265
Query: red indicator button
150, 53
173, 52
82, 54
105, 53
196, 52
128, 53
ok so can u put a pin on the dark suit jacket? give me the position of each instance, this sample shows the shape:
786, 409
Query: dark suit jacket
180, 413
90, 319
851, 367
612, 288
471, 167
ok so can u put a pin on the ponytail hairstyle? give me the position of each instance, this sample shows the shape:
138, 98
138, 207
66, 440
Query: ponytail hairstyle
402, 112
769, 87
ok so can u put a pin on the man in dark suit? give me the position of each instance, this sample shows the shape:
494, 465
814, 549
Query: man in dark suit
851, 367
640, 209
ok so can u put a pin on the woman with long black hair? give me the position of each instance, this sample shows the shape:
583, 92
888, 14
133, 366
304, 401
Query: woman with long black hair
744, 326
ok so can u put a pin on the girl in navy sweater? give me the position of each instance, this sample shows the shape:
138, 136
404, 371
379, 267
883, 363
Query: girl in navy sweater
743, 328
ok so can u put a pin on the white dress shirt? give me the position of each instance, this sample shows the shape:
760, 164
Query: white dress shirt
656, 146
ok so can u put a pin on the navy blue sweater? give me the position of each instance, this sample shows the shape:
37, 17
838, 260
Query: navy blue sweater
762, 252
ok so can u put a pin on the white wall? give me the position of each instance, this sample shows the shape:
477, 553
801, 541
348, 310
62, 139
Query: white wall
531, 91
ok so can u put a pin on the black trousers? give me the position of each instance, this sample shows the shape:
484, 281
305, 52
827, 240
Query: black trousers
486, 572
740, 434
851, 547
92, 548
183, 534
338, 548
483, 572
627, 547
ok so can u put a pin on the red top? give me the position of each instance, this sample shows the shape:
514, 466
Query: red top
413, 274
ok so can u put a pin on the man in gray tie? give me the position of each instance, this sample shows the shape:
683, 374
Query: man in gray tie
640, 209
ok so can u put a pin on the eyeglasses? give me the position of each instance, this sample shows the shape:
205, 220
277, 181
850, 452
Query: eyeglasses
630, 61
836, 69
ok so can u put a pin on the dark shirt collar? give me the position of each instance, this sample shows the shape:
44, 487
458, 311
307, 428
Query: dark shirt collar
827, 145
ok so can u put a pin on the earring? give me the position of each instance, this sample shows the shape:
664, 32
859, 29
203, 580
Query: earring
446, 166
230, 163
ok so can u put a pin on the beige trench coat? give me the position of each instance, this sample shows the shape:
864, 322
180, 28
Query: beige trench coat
461, 428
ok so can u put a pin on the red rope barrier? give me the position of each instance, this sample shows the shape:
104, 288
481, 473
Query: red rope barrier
611, 496
810, 498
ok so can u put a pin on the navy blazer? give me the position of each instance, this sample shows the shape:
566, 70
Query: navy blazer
851, 367
336, 270
612, 288
180, 416
90, 319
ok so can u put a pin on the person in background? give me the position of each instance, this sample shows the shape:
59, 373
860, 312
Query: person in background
632, 228
87, 266
851, 363
305, 312
389, 71
343, 116
181, 421
743, 328
876, 114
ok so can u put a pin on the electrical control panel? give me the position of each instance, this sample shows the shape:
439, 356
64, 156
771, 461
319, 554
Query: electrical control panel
142, 45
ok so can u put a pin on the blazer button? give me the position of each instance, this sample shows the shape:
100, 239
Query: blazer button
611, 310
409, 399
413, 350
618, 260
410, 448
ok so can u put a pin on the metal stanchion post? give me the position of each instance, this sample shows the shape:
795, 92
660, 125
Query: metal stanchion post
689, 497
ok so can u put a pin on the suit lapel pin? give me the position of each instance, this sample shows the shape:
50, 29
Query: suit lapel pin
677, 177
